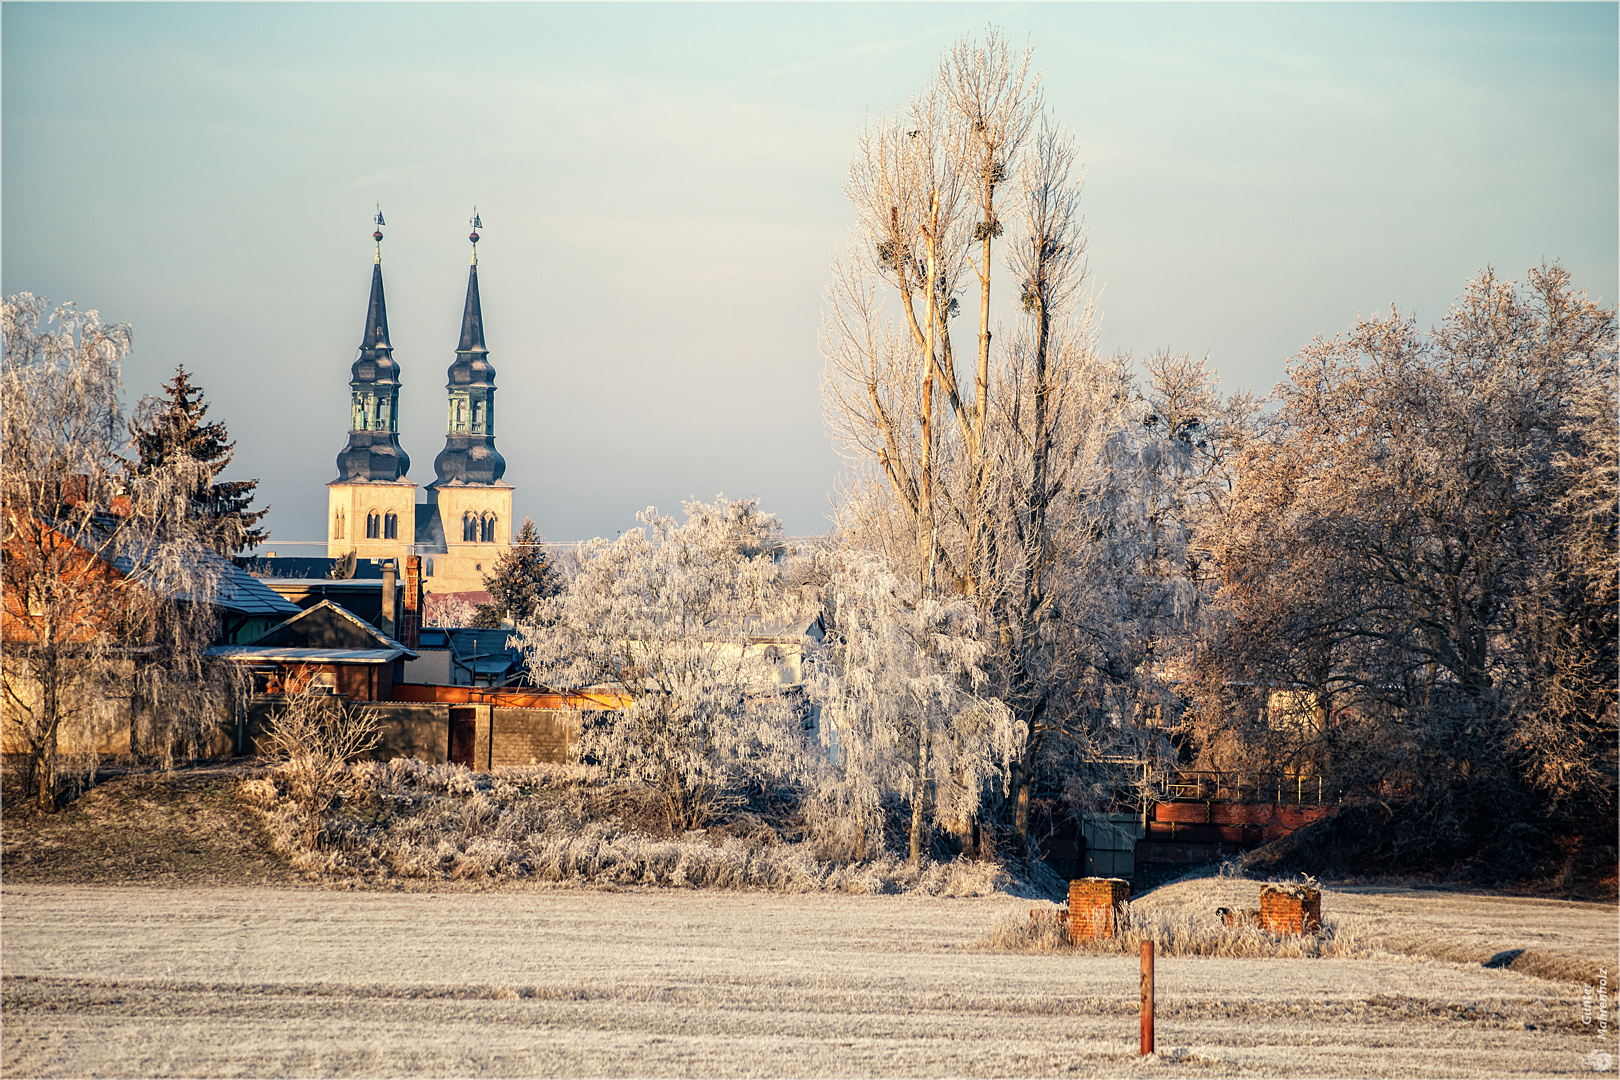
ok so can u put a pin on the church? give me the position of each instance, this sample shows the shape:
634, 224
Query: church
465, 524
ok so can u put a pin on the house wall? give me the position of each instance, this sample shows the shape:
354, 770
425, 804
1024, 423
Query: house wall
431, 666
421, 730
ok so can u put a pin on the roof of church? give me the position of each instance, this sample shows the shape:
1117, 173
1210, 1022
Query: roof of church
470, 458
374, 456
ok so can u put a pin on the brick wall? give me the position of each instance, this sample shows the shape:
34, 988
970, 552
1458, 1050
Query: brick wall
1294, 910
533, 736
1096, 905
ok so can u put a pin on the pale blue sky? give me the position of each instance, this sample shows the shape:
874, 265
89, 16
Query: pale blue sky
661, 189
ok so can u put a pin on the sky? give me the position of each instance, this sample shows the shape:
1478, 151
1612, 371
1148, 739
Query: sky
661, 190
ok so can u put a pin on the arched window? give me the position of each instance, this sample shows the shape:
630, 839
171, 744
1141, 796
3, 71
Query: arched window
469, 527
373, 525
391, 526
488, 529
478, 417
427, 567
337, 525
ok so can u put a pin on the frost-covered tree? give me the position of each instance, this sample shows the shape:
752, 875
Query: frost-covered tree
896, 681
107, 584
1001, 488
664, 613
1420, 548
169, 433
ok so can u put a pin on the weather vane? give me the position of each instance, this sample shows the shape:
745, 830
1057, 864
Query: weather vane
377, 236
476, 224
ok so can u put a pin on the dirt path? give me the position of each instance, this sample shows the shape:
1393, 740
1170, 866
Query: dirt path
271, 982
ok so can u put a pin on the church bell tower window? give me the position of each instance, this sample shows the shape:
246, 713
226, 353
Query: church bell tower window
391, 526
373, 525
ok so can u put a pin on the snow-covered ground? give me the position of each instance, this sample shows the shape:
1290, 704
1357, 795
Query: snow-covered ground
270, 982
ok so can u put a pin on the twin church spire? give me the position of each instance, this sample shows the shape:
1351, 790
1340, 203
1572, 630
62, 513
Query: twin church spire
373, 453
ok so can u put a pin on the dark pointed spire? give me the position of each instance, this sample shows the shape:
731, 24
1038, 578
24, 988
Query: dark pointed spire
472, 318
376, 313
373, 452
469, 455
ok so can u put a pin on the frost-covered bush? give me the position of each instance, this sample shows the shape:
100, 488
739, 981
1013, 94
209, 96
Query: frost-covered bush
408, 820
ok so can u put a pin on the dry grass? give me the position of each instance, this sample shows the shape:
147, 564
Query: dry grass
407, 820
1173, 933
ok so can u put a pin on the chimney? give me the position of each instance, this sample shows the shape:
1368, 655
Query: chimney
389, 598
410, 623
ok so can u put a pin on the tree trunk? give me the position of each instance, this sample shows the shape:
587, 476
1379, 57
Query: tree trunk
918, 795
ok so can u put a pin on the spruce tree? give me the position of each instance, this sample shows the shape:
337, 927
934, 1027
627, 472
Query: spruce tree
523, 576
169, 429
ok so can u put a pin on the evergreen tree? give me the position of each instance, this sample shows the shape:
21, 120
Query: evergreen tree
170, 432
523, 576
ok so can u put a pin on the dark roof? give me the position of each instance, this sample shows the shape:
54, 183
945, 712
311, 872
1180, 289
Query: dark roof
236, 590
327, 626
429, 530
488, 653
305, 566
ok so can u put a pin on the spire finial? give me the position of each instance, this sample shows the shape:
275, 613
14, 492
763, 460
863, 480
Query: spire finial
476, 224
377, 236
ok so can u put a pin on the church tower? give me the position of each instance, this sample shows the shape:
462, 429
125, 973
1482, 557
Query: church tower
472, 503
371, 505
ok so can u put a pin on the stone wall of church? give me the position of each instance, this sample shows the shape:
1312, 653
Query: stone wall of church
349, 506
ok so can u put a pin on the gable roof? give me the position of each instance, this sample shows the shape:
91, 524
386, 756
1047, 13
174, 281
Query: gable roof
327, 627
237, 591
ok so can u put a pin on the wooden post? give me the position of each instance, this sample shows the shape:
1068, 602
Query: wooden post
1147, 998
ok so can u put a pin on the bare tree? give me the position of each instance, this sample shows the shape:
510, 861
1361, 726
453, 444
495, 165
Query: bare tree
108, 594
315, 735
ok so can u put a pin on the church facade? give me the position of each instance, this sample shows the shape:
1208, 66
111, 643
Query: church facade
465, 524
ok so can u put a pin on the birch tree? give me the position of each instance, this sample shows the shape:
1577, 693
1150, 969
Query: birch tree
107, 589
898, 681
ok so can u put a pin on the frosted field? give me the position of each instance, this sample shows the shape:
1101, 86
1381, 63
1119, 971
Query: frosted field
268, 982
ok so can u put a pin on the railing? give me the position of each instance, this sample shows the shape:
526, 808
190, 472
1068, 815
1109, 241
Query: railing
1288, 789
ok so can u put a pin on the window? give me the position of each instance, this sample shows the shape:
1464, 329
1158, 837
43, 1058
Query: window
478, 416
391, 526
469, 528
427, 567
487, 529
373, 525
337, 525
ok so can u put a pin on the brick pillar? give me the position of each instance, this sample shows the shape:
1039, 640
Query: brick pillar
410, 621
1095, 906
1290, 910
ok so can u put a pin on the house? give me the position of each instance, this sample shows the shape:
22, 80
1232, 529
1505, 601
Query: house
463, 656
327, 646
78, 570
